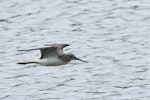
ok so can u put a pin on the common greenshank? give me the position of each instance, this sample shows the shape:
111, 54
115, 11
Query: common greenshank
52, 55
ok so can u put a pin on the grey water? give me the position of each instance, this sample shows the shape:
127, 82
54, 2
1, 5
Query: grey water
112, 35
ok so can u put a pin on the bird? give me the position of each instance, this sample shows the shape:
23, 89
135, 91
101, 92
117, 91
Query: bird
52, 55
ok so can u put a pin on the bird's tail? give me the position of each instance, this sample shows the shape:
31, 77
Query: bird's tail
30, 62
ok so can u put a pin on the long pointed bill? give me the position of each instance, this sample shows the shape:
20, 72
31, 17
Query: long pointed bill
80, 60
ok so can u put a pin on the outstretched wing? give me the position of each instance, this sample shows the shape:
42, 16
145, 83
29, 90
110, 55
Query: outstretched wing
51, 51
46, 51
58, 46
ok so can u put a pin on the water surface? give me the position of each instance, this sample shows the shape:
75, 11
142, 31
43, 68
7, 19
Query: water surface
113, 35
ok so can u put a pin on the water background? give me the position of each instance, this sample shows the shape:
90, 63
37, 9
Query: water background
113, 35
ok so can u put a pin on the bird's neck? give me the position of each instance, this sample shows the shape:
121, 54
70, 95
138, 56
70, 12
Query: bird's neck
65, 57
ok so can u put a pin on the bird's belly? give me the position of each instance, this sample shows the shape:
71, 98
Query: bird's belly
51, 62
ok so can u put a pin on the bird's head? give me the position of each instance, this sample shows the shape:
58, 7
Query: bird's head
73, 57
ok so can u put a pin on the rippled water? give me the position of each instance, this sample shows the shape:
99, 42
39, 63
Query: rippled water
113, 35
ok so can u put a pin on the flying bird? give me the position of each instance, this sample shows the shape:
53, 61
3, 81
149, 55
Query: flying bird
52, 55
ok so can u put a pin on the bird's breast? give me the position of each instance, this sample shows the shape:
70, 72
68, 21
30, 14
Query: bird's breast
51, 61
